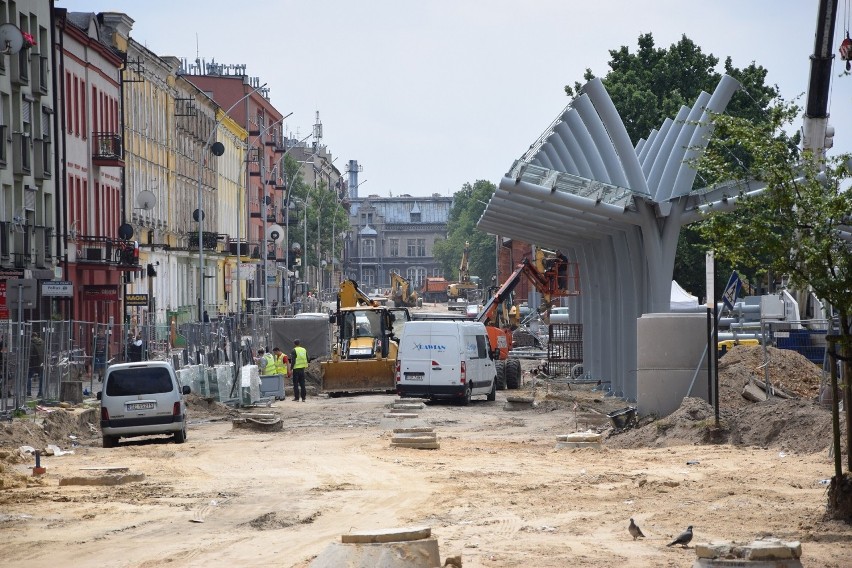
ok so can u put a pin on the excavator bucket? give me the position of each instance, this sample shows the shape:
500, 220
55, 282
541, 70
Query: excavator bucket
358, 375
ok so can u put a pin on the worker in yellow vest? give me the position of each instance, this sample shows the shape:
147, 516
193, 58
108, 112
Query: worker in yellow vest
268, 364
299, 357
282, 364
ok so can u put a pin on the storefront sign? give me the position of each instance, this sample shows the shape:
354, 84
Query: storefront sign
136, 299
100, 293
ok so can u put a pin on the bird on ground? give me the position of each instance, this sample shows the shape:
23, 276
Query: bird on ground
684, 538
635, 531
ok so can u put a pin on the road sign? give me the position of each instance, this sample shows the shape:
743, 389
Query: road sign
57, 288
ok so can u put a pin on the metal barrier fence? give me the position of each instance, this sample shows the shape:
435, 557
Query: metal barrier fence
15, 344
37, 357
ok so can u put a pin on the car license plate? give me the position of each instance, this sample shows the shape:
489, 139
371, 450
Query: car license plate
415, 376
141, 405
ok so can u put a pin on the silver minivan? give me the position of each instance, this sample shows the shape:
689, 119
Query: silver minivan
138, 399
445, 360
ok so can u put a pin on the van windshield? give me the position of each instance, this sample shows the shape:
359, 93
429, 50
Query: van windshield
145, 380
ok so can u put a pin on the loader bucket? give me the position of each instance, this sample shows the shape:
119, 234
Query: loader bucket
358, 375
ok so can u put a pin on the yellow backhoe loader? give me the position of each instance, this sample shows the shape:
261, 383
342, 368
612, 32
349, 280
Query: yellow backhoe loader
402, 294
365, 344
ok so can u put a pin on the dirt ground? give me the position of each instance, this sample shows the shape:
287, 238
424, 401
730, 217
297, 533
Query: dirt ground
498, 492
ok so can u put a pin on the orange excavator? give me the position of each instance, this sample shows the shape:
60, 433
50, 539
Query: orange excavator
554, 277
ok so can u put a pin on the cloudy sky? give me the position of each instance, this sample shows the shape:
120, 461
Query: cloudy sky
428, 95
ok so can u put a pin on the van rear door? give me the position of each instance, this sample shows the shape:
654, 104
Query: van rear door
428, 364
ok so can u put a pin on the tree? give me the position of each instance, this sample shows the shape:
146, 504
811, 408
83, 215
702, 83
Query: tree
798, 225
325, 212
468, 205
651, 85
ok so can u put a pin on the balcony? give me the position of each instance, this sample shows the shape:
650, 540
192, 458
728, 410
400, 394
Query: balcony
209, 239
238, 248
43, 159
21, 67
107, 149
21, 153
103, 252
39, 74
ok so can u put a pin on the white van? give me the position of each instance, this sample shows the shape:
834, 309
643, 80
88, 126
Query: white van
142, 398
445, 359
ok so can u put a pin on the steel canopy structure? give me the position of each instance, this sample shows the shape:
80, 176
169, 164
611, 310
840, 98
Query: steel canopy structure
614, 208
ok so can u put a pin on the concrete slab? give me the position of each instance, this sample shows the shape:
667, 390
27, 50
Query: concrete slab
398, 534
400, 415
406, 406
579, 437
103, 480
417, 445
413, 430
414, 439
422, 553
514, 406
560, 445
762, 553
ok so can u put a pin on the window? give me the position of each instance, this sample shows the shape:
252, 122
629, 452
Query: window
394, 247
76, 107
369, 277
481, 347
416, 275
368, 247
415, 217
416, 247
437, 272
4, 130
366, 218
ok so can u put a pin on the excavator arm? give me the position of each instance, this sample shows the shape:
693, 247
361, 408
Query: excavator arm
464, 270
350, 296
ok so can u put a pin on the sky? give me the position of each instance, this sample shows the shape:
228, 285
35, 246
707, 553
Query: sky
429, 95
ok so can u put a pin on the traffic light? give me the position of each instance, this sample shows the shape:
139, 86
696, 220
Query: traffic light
151, 270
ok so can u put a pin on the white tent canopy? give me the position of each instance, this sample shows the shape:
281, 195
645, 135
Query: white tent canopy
681, 300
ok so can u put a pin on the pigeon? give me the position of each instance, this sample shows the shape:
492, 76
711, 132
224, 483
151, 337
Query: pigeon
684, 538
635, 531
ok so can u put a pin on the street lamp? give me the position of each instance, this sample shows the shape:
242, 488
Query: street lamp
249, 145
285, 205
218, 149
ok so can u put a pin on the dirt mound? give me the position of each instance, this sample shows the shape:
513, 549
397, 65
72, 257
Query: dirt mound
794, 425
788, 370
199, 407
23, 433
692, 423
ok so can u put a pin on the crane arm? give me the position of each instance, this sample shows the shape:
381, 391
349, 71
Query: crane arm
558, 279
819, 84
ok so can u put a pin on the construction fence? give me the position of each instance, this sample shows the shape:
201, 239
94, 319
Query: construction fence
37, 357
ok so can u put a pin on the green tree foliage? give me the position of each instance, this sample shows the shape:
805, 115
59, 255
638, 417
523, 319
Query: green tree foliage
468, 205
798, 225
651, 84
325, 212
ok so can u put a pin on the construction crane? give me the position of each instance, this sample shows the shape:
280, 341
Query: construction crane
817, 134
